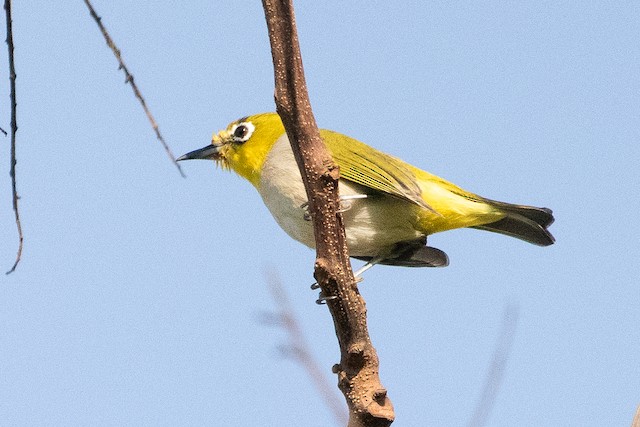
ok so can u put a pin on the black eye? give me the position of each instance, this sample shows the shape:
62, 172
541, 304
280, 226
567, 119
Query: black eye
242, 131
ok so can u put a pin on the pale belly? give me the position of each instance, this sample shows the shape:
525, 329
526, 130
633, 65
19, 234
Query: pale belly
373, 225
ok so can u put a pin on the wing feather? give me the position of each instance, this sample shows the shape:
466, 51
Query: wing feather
374, 169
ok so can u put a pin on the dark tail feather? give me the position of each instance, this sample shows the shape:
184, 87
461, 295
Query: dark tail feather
423, 256
413, 254
527, 223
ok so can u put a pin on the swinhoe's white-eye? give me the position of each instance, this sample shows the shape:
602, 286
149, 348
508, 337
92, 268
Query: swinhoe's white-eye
389, 206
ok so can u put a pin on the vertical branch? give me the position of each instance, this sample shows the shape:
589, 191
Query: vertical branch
358, 368
129, 79
14, 129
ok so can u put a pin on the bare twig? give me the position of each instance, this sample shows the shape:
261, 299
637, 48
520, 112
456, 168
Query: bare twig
358, 368
300, 348
129, 79
14, 129
497, 367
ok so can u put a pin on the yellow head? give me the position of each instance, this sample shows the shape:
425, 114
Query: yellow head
243, 146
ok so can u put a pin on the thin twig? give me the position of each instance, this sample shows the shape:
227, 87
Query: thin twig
129, 79
300, 348
14, 129
496, 370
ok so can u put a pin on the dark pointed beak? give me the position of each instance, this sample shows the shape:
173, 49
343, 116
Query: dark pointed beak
209, 152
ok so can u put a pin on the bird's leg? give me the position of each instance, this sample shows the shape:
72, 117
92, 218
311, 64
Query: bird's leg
358, 274
368, 265
343, 206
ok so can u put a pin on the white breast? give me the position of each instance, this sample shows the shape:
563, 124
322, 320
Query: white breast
373, 225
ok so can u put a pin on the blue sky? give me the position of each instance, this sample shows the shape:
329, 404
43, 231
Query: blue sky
140, 294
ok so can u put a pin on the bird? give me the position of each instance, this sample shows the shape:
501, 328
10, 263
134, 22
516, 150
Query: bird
389, 207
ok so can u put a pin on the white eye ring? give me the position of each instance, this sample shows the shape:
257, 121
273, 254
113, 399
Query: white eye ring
242, 131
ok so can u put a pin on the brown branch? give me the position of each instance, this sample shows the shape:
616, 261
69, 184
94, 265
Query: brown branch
14, 129
496, 369
129, 79
358, 368
299, 348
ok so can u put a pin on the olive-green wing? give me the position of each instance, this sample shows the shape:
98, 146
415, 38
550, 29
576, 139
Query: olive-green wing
374, 169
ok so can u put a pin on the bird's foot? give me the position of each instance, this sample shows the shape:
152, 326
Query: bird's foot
322, 299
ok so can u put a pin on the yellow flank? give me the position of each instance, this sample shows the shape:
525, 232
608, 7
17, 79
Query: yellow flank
447, 205
455, 207
453, 210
